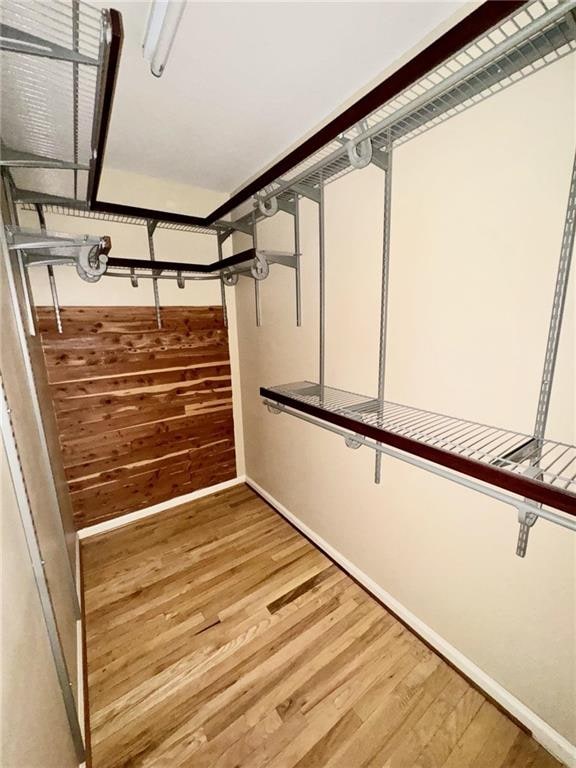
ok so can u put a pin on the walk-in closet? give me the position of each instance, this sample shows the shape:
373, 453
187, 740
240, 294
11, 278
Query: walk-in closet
288, 384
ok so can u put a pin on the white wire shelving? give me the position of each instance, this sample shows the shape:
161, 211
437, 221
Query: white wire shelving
543, 469
539, 34
52, 58
70, 208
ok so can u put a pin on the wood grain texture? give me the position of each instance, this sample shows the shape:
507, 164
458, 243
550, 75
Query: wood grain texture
219, 637
143, 414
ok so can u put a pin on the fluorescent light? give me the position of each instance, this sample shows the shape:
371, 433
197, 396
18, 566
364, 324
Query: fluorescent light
161, 28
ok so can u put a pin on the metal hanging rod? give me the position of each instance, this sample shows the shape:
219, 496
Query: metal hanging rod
243, 258
91, 257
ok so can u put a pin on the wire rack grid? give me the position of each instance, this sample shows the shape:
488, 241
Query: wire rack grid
548, 461
541, 33
81, 211
48, 105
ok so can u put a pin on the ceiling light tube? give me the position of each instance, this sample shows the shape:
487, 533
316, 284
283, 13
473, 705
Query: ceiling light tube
163, 21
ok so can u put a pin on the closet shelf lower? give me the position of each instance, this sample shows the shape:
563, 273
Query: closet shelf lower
542, 471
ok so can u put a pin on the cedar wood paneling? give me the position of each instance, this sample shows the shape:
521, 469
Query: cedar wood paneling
143, 414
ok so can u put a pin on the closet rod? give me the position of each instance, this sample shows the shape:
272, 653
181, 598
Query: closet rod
177, 266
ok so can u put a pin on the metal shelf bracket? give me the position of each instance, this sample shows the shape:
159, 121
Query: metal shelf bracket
359, 151
19, 41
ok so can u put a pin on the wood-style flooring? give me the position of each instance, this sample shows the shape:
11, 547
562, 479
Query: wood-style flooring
219, 637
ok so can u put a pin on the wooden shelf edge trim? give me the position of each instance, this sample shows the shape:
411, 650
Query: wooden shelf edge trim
520, 484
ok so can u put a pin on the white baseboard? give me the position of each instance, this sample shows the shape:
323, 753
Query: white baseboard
544, 734
131, 517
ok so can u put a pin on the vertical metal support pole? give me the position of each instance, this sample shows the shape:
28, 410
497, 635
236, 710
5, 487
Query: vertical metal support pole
220, 240
527, 519
51, 276
297, 254
384, 295
54, 292
557, 314
75, 86
151, 226
256, 282
322, 278
37, 563
26, 287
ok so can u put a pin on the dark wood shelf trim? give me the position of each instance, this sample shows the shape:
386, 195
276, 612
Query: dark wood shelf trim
487, 473
176, 266
459, 36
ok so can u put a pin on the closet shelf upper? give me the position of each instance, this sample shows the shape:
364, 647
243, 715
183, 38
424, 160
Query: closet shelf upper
532, 37
55, 66
543, 471
539, 34
62, 206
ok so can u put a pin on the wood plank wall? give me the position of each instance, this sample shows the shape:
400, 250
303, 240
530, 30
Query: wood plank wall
143, 414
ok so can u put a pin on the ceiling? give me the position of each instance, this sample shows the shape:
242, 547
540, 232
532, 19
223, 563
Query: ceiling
246, 81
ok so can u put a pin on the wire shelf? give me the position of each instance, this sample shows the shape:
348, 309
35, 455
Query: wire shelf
48, 100
54, 21
509, 454
541, 33
84, 213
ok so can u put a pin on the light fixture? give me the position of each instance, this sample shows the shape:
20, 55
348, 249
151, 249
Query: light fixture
161, 28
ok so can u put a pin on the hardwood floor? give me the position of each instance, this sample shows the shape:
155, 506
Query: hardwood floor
218, 637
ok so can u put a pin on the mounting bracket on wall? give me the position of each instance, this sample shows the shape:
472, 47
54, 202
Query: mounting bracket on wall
359, 151
260, 268
267, 207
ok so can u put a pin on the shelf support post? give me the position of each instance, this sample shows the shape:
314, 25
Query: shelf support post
527, 519
51, 276
221, 238
150, 227
297, 255
322, 280
256, 282
75, 86
384, 293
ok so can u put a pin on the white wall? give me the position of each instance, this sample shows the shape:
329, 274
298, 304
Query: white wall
478, 207
35, 730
